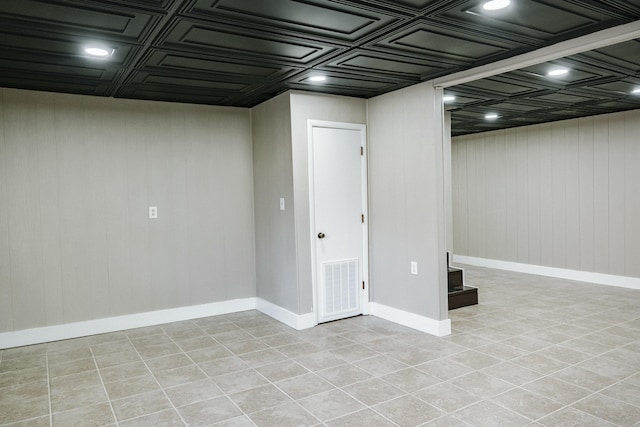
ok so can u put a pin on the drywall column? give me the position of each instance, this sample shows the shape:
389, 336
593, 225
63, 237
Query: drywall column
307, 106
273, 179
448, 190
406, 203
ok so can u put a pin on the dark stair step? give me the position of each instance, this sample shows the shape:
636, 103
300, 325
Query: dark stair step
455, 281
462, 298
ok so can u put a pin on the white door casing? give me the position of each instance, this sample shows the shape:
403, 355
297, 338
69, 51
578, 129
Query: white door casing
338, 208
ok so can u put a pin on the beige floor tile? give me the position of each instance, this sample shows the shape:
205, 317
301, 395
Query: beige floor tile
501, 351
512, 373
131, 386
608, 367
10, 365
584, 378
77, 398
213, 368
411, 379
240, 381
474, 359
209, 411
373, 391
444, 369
488, 414
381, 365
363, 418
287, 415
557, 390
88, 416
23, 376
446, 396
563, 354
481, 385
299, 349
526, 403
197, 343
33, 422
319, 361
282, 370
73, 381
123, 372
118, 358
539, 363
304, 385
259, 398
24, 391
73, 367
158, 350
186, 394
343, 375
168, 362
140, 404
61, 356
625, 392
354, 353
610, 409
243, 347
166, 418
447, 421
570, 417
280, 339
331, 404
181, 375
408, 411
242, 421
111, 347
262, 357
24, 409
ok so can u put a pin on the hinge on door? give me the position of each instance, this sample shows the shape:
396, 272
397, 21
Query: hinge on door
362, 216
363, 284
362, 151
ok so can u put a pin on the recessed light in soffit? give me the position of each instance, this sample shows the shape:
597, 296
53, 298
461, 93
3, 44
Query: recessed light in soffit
448, 98
491, 116
636, 91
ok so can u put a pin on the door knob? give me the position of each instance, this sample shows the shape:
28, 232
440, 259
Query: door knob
321, 235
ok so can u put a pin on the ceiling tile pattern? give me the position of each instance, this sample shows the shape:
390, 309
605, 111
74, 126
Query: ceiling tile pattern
243, 52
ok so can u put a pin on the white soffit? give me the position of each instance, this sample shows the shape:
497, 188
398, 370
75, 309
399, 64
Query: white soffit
608, 37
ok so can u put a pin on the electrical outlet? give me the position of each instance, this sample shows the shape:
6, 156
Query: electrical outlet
414, 268
153, 212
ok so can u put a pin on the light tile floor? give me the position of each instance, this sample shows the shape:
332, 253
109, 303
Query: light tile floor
536, 351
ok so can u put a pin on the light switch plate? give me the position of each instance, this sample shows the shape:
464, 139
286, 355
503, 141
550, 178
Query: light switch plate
414, 268
281, 203
153, 212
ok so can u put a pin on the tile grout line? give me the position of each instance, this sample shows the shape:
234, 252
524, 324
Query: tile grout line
46, 355
156, 380
104, 387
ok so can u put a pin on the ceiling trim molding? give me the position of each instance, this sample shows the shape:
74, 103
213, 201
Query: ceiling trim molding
610, 36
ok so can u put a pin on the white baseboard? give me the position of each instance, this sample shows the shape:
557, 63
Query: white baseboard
296, 321
561, 273
438, 328
130, 321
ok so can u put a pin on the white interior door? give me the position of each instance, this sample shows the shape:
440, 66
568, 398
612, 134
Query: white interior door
338, 204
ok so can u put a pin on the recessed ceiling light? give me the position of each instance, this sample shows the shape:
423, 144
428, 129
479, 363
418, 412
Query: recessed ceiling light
557, 72
496, 4
636, 91
317, 78
491, 116
98, 51
448, 98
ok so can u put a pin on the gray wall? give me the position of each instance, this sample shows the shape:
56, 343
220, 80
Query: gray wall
564, 194
406, 201
305, 106
77, 175
273, 178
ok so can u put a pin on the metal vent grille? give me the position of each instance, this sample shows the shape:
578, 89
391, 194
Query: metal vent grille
340, 286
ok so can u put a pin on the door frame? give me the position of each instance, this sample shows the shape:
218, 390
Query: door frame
365, 293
